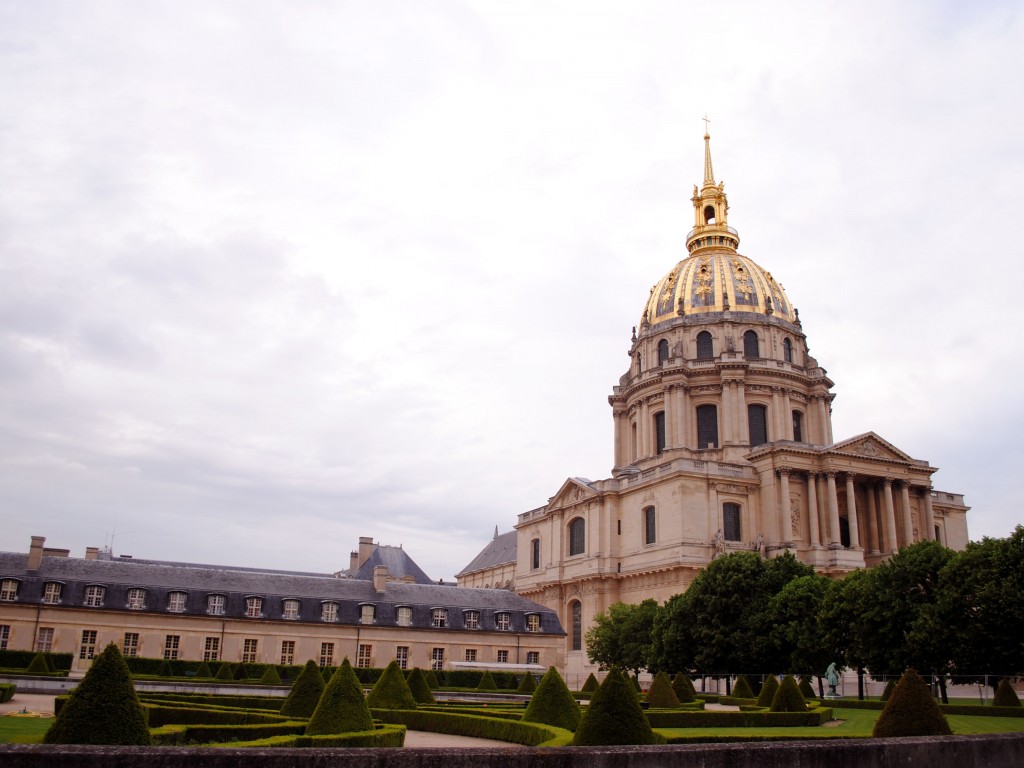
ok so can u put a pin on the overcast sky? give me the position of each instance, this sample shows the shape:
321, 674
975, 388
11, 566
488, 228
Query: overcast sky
277, 275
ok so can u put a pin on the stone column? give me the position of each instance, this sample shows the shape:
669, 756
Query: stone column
929, 513
871, 518
835, 540
689, 433
822, 421
670, 417
889, 512
851, 512
714, 515
908, 519
785, 520
812, 509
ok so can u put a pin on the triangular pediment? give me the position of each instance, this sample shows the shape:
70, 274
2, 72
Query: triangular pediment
573, 491
870, 446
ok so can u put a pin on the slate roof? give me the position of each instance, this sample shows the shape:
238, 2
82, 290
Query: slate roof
499, 551
398, 563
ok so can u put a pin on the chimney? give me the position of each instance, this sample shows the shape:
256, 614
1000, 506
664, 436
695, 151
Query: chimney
91, 552
35, 552
365, 549
380, 577
353, 562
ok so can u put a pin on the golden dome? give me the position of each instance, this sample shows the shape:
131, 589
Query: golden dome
716, 281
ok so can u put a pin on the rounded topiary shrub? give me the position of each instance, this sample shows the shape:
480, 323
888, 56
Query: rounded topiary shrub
203, 670
911, 711
342, 707
806, 688
788, 697
486, 682
391, 691
270, 676
741, 688
661, 693
38, 665
683, 686
614, 716
103, 708
226, 671
419, 687
887, 691
1005, 695
527, 684
305, 693
553, 704
768, 689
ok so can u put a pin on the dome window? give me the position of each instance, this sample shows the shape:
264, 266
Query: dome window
798, 426
659, 432
662, 352
757, 421
751, 346
787, 350
705, 346
707, 427
709, 214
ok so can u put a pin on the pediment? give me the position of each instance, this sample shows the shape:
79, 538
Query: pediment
573, 491
870, 446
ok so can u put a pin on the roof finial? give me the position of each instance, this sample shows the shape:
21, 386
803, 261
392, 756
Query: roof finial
709, 175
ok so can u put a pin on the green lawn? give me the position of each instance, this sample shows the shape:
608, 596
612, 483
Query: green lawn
23, 730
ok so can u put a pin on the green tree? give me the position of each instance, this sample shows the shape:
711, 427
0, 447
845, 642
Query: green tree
103, 708
672, 645
305, 693
553, 704
391, 691
614, 716
792, 614
342, 707
622, 636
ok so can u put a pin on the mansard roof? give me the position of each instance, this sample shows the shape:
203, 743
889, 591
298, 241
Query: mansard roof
398, 563
500, 550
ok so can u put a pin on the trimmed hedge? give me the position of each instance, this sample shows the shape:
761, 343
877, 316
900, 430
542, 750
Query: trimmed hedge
225, 671
614, 716
21, 659
806, 688
911, 711
977, 710
305, 693
38, 666
515, 732
270, 677
470, 679
342, 707
887, 691
188, 735
553, 704
160, 715
661, 693
391, 690
1005, 695
7, 692
669, 718
768, 689
385, 736
419, 687
208, 700
204, 671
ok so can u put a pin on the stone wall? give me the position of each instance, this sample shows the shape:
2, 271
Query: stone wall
992, 751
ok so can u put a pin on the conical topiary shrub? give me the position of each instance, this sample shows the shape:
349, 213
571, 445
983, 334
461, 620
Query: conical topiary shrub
305, 693
527, 684
635, 679
661, 693
768, 689
1005, 695
164, 670
683, 687
270, 676
887, 691
419, 687
241, 673
741, 688
432, 680
553, 704
590, 685
486, 682
38, 665
788, 697
806, 688
226, 671
103, 709
327, 673
203, 670
52, 665
911, 711
614, 716
342, 707
391, 691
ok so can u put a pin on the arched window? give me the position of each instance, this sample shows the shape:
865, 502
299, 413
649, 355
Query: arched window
731, 522
650, 526
798, 426
577, 536
751, 346
787, 350
709, 214
659, 432
705, 346
757, 421
576, 612
707, 427
662, 352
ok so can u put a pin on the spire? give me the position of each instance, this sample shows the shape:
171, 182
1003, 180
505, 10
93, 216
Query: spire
709, 175
710, 210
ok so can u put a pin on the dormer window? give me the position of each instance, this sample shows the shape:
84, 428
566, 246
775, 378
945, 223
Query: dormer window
253, 607
533, 622
329, 612
439, 618
94, 595
503, 621
176, 602
471, 619
215, 605
367, 613
9, 590
404, 617
290, 610
136, 599
52, 591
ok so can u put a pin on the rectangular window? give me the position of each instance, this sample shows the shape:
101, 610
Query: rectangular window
364, 657
326, 654
88, 647
215, 605
9, 590
650, 526
404, 616
51, 592
291, 610
94, 596
577, 536
533, 657
471, 654
367, 614
211, 649
798, 426
136, 599
253, 607
130, 646
436, 658
503, 621
249, 650
535, 554
659, 432
577, 625
402, 656
439, 618
503, 657
533, 622
707, 427
287, 652
171, 644
757, 423
44, 639
329, 612
731, 521
176, 602
5, 636
472, 619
